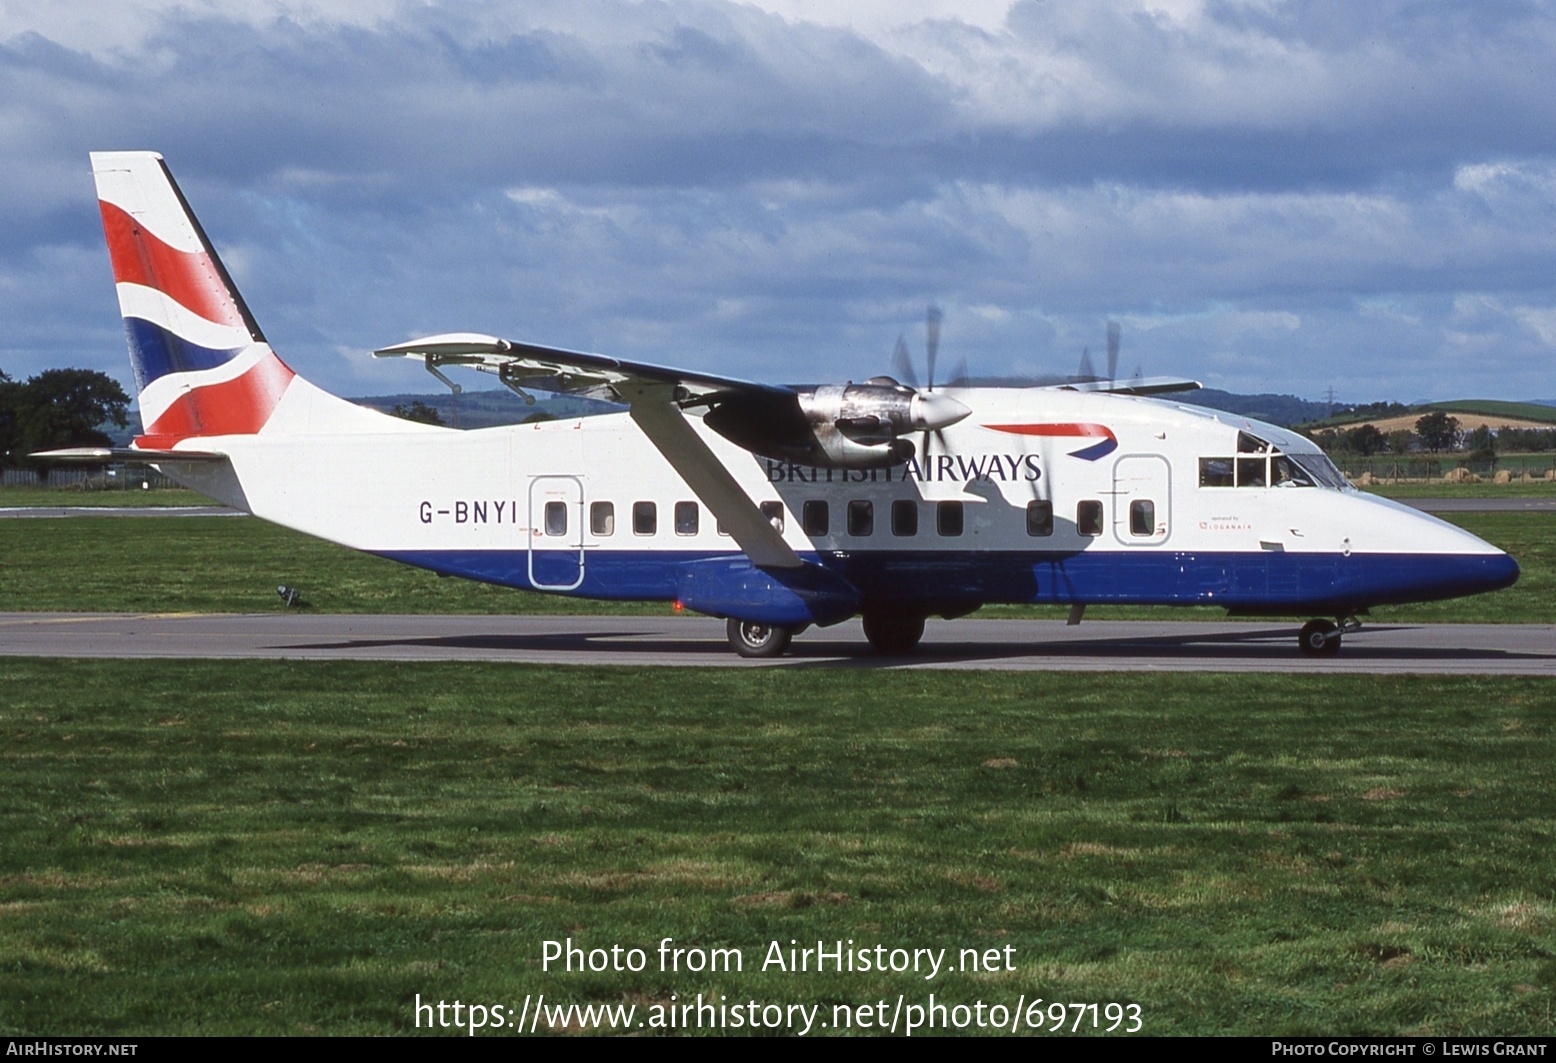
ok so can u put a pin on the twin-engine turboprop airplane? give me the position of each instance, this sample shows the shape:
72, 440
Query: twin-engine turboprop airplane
774, 507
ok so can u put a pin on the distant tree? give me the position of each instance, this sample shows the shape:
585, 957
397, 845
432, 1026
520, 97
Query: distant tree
1401, 441
418, 411
1364, 439
1438, 431
1481, 439
66, 408
10, 399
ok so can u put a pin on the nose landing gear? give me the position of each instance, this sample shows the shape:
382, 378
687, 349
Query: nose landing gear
1321, 638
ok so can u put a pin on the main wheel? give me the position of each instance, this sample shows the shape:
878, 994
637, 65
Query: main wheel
893, 633
1319, 638
757, 640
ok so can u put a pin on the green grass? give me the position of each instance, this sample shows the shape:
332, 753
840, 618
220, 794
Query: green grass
77, 496
235, 848
233, 565
1522, 411
1482, 490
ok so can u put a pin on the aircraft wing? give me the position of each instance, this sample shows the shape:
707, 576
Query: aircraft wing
554, 369
655, 396
1151, 385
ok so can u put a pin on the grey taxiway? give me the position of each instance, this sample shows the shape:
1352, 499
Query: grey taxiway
690, 641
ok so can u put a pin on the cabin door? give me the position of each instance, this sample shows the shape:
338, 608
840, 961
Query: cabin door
1142, 500
556, 530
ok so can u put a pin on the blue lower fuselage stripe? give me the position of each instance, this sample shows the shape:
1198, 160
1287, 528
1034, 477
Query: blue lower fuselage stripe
1265, 581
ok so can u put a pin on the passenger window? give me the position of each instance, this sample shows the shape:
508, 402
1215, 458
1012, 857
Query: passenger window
1215, 472
773, 511
645, 518
1142, 517
904, 517
1250, 472
861, 518
1040, 517
556, 518
602, 518
815, 518
948, 518
1088, 518
686, 518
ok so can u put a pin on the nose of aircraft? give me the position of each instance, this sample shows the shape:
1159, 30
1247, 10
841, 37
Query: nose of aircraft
934, 410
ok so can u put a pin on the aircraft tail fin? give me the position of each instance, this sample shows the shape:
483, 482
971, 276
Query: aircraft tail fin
202, 365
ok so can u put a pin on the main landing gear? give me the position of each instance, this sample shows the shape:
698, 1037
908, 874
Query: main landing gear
893, 633
1321, 638
750, 639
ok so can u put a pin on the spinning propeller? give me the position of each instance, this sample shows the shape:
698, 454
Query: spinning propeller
931, 412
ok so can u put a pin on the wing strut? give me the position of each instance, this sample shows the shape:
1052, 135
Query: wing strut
653, 410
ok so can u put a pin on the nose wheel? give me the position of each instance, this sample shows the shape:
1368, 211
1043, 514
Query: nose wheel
750, 639
1321, 638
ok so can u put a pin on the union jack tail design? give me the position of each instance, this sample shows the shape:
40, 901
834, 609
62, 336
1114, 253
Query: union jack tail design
202, 366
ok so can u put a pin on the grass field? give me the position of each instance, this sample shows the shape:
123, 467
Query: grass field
70, 496
222, 564
233, 848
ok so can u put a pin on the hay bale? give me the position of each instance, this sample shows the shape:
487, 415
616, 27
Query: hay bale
1460, 476
1366, 479
1502, 476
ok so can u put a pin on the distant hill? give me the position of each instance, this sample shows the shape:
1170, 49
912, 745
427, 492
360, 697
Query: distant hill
1284, 410
487, 409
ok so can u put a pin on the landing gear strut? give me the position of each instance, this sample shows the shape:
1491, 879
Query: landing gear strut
751, 639
1321, 638
893, 633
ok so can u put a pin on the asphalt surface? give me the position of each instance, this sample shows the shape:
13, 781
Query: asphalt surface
1482, 505
35, 512
987, 645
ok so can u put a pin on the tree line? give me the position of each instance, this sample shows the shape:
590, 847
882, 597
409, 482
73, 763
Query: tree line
58, 408
1437, 432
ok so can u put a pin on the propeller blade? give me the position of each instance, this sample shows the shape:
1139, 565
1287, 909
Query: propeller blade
903, 365
1114, 336
932, 341
1087, 371
960, 379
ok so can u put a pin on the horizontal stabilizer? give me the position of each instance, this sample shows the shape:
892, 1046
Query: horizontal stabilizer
98, 455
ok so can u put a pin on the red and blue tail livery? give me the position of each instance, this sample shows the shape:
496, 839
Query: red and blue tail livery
201, 364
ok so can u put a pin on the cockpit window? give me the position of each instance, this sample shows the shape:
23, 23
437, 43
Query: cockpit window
1270, 468
1285, 472
1251, 444
1216, 472
1323, 471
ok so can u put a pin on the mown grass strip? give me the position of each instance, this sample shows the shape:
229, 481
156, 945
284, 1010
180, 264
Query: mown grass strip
280, 848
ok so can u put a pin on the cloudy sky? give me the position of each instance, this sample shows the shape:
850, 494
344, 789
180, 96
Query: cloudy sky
1268, 195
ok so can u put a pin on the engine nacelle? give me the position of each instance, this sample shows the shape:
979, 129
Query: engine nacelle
837, 426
